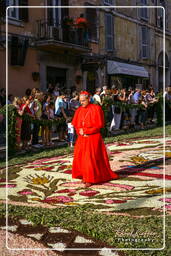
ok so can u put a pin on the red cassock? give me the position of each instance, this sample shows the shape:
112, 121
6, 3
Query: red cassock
90, 161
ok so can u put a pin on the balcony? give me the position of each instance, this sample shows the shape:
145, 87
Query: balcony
54, 37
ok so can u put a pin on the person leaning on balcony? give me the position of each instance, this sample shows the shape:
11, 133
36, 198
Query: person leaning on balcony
82, 24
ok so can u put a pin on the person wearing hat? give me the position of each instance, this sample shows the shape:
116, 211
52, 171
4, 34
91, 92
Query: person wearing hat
90, 161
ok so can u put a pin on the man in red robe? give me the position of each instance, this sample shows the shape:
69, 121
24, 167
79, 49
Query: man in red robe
90, 161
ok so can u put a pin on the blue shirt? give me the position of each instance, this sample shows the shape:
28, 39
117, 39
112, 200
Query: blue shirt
136, 97
59, 103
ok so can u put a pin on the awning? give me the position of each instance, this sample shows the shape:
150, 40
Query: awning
115, 67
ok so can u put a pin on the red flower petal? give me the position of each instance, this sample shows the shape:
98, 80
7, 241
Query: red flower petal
88, 193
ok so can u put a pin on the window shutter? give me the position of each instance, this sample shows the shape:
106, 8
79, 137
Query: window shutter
14, 50
23, 43
109, 28
91, 15
19, 48
140, 42
23, 12
145, 42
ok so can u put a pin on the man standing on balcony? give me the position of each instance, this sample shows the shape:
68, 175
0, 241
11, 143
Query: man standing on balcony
90, 161
81, 24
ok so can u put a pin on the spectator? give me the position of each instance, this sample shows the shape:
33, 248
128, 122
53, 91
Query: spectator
70, 132
118, 97
56, 91
82, 24
50, 88
103, 93
168, 103
20, 110
28, 92
38, 114
45, 116
134, 99
51, 116
74, 102
10, 98
60, 111
150, 99
143, 110
26, 125
96, 96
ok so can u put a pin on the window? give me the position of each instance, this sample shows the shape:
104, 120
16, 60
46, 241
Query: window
143, 10
108, 2
109, 29
91, 16
13, 12
160, 13
19, 46
18, 13
144, 42
54, 14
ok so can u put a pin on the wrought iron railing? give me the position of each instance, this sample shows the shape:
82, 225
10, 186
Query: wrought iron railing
52, 30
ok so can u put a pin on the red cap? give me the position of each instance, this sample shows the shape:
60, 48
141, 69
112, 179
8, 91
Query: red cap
84, 93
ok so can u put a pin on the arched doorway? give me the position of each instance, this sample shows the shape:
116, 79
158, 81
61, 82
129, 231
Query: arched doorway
160, 71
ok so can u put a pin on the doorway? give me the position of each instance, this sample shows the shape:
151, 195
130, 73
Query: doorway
56, 76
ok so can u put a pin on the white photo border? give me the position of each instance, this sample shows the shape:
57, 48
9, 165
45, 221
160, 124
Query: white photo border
164, 133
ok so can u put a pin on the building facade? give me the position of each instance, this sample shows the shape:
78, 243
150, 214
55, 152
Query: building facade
120, 46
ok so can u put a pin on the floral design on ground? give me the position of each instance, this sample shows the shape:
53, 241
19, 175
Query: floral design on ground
49, 181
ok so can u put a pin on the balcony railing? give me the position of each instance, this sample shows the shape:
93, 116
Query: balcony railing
51, 30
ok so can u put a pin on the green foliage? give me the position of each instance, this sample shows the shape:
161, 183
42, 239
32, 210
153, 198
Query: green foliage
106, 228
12, 113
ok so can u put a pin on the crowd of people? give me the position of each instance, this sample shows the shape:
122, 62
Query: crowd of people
57, 104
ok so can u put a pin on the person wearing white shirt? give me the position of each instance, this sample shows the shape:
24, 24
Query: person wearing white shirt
96, 96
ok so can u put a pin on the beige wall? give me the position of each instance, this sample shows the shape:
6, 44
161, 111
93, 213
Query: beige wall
20, 78
125, 39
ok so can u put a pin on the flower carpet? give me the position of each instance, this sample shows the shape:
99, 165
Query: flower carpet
137, 194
